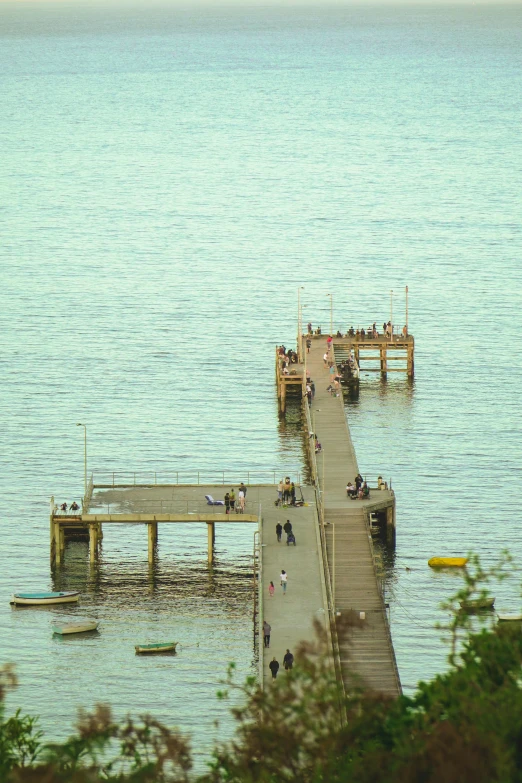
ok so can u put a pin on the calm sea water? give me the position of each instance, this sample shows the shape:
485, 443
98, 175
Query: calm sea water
167, 180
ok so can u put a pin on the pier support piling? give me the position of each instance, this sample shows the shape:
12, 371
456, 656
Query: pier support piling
211, 536
153, 539
93, 542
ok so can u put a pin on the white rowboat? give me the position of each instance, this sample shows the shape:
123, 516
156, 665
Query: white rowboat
510, 618
79, 627
44, 599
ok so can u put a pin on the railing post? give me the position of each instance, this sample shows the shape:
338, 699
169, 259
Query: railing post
155, 478
135, 478
113, 479
223, 478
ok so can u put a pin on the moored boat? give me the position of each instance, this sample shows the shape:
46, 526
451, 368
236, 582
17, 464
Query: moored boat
447, 562
44, 599
142, 649
80, 626
477, 603
509, 618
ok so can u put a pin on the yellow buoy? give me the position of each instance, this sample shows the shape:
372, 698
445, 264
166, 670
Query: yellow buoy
447, 562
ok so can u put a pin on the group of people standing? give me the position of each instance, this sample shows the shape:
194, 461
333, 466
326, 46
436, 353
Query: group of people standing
230, 500
286, 492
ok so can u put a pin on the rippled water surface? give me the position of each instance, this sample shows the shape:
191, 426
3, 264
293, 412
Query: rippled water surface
167, 181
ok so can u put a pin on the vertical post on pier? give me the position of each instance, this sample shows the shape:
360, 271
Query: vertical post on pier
57, 544
152, 539
406, 310
51, 533
390, 524
384, 359
411, 364
93, 541
282, 398
211, 536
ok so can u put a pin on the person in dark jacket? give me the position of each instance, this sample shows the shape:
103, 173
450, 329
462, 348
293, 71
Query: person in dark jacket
287, 527
288, 660
279, 531
267, 629
274, 667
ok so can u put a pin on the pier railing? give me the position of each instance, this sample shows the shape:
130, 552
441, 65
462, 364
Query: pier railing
151, 506
193, 477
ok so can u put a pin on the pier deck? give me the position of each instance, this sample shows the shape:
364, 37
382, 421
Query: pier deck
367, 655
291, 615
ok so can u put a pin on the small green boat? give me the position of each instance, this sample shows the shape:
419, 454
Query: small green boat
476, 604
142, 649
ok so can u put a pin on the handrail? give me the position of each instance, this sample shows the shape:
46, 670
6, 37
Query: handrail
324, 552
192, 477
261, 672
383, 604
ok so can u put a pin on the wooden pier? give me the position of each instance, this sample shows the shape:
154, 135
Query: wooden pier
151, 506
354, 581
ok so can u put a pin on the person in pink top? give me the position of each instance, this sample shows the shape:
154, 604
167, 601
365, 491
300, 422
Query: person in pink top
271, 589
329, 341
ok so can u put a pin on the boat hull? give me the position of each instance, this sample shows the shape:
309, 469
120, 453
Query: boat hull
447, 562
44, 599
478, 603
68, 628
510, 618
151, 649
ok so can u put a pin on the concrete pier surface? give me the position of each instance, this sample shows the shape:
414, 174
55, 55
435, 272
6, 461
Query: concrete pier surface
291, 615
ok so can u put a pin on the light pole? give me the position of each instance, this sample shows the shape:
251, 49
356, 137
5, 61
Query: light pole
84, 459
299, 318
331, 314
391, 314
406, 311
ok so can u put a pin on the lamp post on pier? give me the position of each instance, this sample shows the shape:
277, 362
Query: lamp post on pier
391, 314
84, 459
299, 320
331, 314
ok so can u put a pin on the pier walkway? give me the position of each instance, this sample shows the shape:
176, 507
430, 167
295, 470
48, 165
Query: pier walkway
368, 652
291, 615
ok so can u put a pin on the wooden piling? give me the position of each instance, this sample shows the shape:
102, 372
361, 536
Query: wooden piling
153, 539
93, 542
384, 359
211, 535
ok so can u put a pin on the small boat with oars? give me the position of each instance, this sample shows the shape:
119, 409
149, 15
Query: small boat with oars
45, 599
80, 626
477, 604
151, 649
447, 562
515, 617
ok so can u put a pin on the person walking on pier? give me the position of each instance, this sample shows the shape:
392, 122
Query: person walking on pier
266, 633
227, 503
287, 527
284, 580
280, 493
288, 660
241, 501
274, 667
308, 346
232, 499
243, 489
271, 589
279, 531
325, 359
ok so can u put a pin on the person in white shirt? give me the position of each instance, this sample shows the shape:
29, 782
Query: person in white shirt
284, 580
